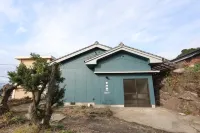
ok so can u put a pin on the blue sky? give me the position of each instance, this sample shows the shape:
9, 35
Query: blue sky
58, 27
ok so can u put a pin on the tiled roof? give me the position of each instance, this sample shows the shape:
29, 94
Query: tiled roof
121, 45
96, 44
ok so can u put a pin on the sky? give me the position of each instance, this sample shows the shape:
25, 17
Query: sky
59, 27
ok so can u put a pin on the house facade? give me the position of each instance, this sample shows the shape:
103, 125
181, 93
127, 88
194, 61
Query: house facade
28, 61
101, 75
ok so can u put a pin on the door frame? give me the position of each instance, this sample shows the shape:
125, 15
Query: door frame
148, 89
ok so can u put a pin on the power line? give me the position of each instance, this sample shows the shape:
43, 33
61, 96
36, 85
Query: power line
8, 64
4, 76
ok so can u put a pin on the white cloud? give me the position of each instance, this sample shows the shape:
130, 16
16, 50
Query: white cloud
143, 37
3, 52
11, 12
60, 27
63, 27
168, 55
195, 43
21, 29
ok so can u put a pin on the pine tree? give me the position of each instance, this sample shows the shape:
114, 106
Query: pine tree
39, 78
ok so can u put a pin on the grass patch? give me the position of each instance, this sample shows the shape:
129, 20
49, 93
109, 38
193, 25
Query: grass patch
9, 118
35, 129
27, 129
84, 111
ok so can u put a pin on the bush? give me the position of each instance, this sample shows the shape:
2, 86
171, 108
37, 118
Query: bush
65, 131
187, 81
99, 112
196, 68
27, 129
59, 126
181, 91
17, 120
9, 118
36, 129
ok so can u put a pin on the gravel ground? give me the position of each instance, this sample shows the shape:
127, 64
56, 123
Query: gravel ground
105, 125
86, 120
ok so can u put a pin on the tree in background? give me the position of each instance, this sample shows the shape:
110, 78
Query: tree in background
186, 51
37, 79
6, 93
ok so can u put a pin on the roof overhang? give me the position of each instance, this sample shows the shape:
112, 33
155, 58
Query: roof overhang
165, 66
152, 58
126, 72
81, 51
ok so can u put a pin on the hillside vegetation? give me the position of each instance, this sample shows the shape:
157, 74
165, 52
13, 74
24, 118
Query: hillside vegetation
187, 51
181, 91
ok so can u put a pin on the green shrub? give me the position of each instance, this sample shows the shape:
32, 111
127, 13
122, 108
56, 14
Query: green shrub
17, 119
27, 129
196, 68
66, 131
187, 81
9, 118
187, 112
59, 126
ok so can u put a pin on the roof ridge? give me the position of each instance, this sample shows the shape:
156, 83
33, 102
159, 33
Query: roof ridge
146, 52
102, 53
95, 43
121, 45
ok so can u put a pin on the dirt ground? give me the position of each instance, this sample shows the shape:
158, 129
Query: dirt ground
83, 120
105, 125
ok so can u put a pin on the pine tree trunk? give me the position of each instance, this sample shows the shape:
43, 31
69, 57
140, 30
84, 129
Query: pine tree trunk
49, 98
47, 117
7, 91
32, 111
33, 114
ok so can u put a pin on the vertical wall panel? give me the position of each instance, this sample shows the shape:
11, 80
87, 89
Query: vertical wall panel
70, 83
80, 86
93, 88
85, 86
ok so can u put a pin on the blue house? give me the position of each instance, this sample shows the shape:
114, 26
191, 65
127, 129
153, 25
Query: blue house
101, 75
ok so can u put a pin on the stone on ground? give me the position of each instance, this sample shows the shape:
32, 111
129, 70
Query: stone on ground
56, 117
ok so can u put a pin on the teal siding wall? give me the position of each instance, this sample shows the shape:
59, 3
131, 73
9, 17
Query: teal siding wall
82, 85
80, 81
115, 86
123, 61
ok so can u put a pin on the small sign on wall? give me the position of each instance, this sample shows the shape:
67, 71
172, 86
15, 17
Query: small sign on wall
106, 91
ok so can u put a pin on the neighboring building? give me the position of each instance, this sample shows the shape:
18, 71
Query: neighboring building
188, 59
101, 75
28, 61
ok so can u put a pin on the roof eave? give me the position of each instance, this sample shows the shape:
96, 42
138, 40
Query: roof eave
152, 58
126, 72
81, 51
